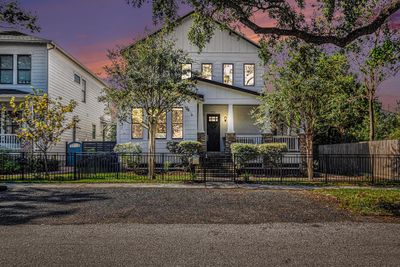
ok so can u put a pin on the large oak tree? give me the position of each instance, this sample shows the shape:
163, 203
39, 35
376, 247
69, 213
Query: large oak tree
338, 22
13, 16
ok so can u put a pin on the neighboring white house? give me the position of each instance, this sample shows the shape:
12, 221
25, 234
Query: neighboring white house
232, 79
28, 62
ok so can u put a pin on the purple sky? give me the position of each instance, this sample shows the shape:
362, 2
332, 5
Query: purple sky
87, 28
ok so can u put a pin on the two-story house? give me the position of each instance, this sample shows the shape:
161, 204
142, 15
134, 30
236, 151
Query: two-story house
28, 62
230, 83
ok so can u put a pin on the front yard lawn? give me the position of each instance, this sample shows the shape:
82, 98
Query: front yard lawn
369, 202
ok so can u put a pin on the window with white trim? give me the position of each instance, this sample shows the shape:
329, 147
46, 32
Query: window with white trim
161, 132
6, 69
207, 71
186, 71
24, 65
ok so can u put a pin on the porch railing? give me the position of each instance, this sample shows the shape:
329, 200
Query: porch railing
9, 141
291, 141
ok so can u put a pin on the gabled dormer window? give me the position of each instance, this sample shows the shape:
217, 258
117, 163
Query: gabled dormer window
6, 69
186, 71
207, 71
24, 69
249, 74
228, 74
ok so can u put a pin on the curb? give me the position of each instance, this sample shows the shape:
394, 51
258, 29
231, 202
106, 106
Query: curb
3, 188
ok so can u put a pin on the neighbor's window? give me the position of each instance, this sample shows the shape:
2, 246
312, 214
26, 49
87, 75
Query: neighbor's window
249, 74
177, 123
10, 127
24, 69
186, 71
6, 69
137, 120
207, 71
77, 78
228, 74
94, 131
84, 85
161, 132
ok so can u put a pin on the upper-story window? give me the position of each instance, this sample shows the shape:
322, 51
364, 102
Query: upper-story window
94, 131
84, 85
228, 73
24, 69
249, 74
207, 71
186, 71
77, 78
6, 69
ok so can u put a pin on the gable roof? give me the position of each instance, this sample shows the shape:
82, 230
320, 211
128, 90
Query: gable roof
231, 87
180, 19
20, 37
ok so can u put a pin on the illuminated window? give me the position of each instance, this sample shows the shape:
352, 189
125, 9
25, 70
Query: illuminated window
249, 74
177, 123
228, 74
137, 120
161, 132
186, 71
6, 69
207, 71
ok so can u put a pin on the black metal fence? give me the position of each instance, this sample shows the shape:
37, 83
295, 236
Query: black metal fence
207, 167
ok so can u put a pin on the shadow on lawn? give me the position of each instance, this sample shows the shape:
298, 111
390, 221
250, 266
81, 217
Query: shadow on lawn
26, 205
392, 209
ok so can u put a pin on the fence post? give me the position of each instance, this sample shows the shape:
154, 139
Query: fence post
234, 168
281, 168
23, 165
75, 172
326, 167
162, 166
373, 168
204, 169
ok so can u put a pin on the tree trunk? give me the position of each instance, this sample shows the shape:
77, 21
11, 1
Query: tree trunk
371, 99
152, 151
46, 168
309, 156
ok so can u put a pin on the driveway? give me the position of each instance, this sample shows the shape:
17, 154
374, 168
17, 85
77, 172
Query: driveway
57, 206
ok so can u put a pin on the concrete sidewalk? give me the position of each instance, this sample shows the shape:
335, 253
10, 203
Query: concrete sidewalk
208, 185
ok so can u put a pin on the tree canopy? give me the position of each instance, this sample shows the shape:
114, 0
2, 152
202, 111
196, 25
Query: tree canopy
12, 15
338, 22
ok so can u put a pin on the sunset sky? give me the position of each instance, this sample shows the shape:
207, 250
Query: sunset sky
87, 28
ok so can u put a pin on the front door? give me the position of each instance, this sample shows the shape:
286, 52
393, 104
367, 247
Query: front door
213, 132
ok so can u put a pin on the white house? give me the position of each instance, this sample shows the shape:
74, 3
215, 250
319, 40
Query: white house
232, 79
28, 62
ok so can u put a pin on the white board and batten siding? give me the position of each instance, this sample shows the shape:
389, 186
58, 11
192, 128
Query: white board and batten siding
39, 57
61, 84
224, 48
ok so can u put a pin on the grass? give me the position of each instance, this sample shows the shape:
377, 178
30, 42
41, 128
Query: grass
368, 202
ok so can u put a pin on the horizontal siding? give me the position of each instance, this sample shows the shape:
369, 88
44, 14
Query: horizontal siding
61, 84
39, 56
189, 130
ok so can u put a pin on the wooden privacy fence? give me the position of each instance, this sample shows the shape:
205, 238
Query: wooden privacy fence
377, 159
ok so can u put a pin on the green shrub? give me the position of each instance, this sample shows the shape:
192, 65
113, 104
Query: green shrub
173, 148
129, 157
9, 164
272, 152
128, 148
244, 153
190, 148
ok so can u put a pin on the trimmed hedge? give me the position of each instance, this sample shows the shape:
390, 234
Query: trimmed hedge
190, 148
270, 152
128, 148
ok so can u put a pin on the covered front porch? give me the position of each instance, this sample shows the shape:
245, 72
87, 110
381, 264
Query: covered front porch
220, 125
8, 128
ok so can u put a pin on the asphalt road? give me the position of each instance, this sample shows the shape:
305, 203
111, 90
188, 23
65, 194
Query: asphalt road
281, 244
186, 227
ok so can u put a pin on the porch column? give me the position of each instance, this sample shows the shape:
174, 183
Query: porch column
230, 136
200, 118
267, 136
201, 135
231, 126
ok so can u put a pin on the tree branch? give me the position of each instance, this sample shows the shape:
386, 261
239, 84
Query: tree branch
327, 39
